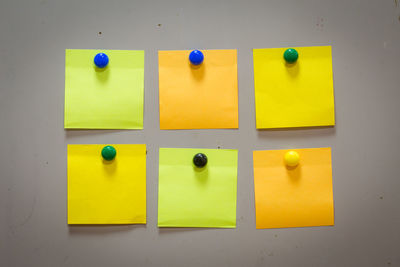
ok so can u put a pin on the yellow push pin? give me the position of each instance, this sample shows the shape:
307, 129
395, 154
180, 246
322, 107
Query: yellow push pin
292, 158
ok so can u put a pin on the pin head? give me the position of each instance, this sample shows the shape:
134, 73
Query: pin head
200, 160
101, 60
196, 57
108, 152
291, 55
292, 158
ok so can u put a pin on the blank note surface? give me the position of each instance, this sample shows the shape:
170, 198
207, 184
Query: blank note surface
106, 192
104, 98
293, 196
189, 196
294, 95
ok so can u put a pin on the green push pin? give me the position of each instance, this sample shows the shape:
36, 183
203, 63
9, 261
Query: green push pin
291, 55
108, 153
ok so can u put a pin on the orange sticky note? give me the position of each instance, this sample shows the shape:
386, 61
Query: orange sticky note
198, 97
293, 196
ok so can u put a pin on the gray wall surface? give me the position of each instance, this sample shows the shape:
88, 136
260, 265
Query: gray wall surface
365, 38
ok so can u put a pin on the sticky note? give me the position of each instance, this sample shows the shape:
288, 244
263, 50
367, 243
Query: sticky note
197, 197
294, 95
198, 97
104, 98
293, 196
106, 192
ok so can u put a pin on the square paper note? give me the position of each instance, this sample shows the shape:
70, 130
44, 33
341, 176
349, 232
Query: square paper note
294, 95
198, 97
293, 196
106, 192
197, 197
107, 98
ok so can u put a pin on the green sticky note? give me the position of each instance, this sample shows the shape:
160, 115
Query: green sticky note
197, 197
107, 98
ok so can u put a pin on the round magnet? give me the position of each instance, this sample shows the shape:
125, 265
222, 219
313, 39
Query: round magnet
108, 152
196, 57
291, 55
200, 160
292, 158
101, 60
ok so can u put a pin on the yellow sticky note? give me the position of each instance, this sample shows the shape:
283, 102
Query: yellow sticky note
294, 95
198, 97
106, 192
293, 196
107, 98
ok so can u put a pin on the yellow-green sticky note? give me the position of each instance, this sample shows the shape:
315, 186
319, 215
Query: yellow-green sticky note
106, 192
294, 95
197, 197
104, 98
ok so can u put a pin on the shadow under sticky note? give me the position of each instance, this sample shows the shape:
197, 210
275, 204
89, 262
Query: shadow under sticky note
293, 196
294, 95
106, 192
104, 98
197, 197
198, 97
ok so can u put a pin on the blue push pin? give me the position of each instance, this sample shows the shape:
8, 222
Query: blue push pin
101, 60
196, 57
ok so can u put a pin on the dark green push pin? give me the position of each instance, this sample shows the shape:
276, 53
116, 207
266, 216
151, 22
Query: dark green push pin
108, 153
291, 55
200, 160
